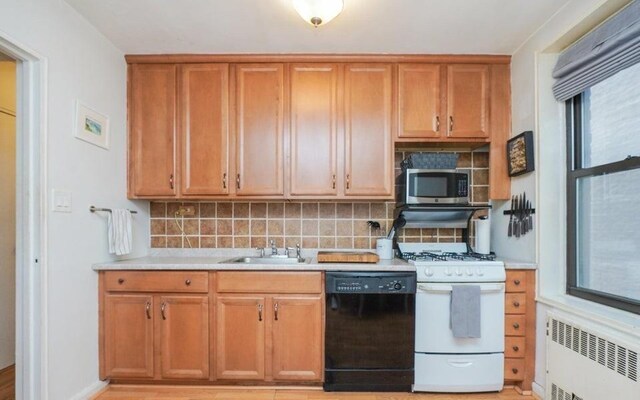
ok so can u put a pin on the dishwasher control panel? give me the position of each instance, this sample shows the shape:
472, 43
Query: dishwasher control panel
370, 283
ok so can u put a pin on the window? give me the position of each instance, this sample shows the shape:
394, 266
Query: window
603, 192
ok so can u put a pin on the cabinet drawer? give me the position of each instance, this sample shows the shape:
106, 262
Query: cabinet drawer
156, 281
514, 347
513, 369
269, 282
514, 325
516, 281
515, 303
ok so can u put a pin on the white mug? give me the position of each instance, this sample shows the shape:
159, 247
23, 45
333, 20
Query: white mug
384, 248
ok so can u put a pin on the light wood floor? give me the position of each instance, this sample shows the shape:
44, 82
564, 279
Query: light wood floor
8, 383
122, 392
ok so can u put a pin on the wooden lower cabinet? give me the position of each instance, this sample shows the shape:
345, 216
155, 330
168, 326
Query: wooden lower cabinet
297, 337
128, 336
520, 325
240, 329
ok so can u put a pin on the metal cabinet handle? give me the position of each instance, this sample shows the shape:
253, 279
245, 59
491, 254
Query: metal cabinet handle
224, 180
516, 326
148, 309
437, 123
517, 282
516, 348
450, 123
516, 304
275, 311
187, 282
238, 181
348, 181
162, 310
120, 281
333, 181
514, 370
259, 312
171, 181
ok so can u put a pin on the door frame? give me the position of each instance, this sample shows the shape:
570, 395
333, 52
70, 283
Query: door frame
31, 219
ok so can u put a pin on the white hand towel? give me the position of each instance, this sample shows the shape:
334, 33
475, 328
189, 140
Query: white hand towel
120, 232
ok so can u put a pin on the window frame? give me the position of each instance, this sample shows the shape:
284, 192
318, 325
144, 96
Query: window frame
574, 129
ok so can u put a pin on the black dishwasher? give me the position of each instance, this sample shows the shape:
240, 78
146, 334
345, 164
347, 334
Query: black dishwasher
369, 332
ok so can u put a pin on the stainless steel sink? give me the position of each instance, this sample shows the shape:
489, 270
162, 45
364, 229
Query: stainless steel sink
268, 260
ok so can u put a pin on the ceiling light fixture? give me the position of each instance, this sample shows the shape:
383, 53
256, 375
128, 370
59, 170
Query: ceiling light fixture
318, 12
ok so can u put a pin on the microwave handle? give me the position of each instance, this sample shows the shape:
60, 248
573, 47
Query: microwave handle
440, 288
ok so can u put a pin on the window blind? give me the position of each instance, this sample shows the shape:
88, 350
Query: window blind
605, 51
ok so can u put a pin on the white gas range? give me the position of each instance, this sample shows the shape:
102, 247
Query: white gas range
444, 361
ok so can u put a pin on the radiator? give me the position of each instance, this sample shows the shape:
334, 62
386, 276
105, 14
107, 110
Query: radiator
584, 363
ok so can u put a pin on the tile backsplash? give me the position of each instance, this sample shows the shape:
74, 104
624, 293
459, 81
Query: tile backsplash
324, 225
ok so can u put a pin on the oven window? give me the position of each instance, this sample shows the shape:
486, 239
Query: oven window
603, 181
424, 185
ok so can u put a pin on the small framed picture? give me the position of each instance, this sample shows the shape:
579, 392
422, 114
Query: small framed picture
91, 126
520, 154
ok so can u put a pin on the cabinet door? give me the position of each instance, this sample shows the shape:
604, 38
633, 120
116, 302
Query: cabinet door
128, 330
260, 130
240, 329
152, 133
297, 337
419, 101
204, 129
184, 336
368, 143
468, 101
314, 122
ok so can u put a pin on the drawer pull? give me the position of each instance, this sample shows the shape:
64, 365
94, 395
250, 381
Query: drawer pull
187, 282
516, 304
120, 281
517, 282
514, 370
516, 326
516, 348
162, 310
148, 309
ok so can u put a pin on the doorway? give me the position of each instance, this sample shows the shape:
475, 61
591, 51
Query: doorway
7, 227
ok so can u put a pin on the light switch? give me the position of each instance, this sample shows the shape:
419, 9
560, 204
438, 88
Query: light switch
61, 201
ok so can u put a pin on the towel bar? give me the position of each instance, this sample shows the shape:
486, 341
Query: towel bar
94, 209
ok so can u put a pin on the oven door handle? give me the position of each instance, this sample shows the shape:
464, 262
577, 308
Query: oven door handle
440, 288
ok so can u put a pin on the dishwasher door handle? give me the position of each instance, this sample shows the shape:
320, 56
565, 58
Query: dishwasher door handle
446, 288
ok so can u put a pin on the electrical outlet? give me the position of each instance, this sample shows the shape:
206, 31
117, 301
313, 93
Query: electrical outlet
186, 211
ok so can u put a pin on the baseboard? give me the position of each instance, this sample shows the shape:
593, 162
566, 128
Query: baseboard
538, 391
91, 391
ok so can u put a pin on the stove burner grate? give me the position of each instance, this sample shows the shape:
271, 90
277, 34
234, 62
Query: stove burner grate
447, 256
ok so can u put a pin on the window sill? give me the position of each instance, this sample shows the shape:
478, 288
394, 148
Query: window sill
618, 320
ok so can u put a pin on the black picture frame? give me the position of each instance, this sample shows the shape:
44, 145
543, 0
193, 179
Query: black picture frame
520, 154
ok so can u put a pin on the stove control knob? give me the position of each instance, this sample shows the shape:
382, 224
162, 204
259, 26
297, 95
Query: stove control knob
397, 286
458, 272
479, 272
469, 272
428, 272
447, 272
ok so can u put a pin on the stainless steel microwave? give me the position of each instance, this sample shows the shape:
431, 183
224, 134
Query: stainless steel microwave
432, 186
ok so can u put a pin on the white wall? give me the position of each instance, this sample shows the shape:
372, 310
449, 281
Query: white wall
534, 108
83, 65
7, 217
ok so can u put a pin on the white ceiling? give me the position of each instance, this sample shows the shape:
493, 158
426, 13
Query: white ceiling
272, 26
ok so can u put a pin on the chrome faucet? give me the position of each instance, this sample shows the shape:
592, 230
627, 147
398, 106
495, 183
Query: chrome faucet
298, 251
274, 249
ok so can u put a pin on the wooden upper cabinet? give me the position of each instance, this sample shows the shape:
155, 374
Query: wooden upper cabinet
128, 336
368, 137
184, 333
297, 337
240, 330
314, 125
152, 132
420, 103
259, 129
204, 129
468, 89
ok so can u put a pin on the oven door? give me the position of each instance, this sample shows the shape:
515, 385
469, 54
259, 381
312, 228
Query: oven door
433, 327
369, 331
